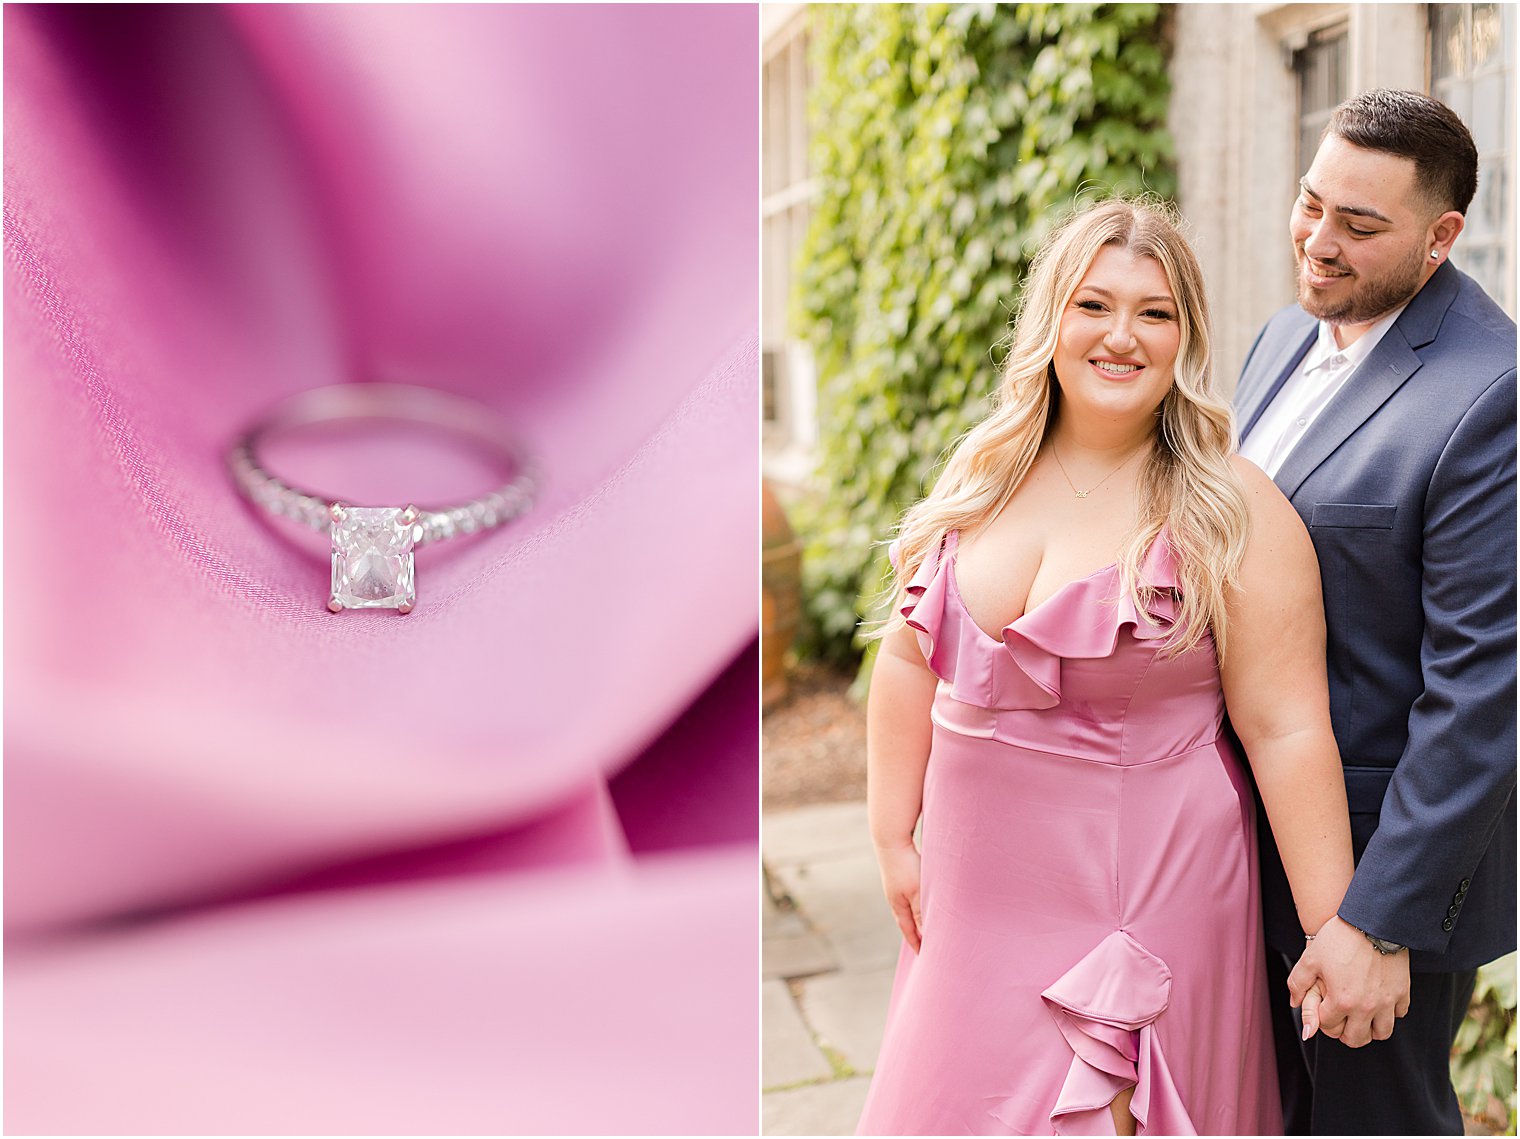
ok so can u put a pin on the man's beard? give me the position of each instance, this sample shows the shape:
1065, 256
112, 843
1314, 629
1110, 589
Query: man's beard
1370, 297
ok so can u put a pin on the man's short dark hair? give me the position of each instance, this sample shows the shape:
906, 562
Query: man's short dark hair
1417, 127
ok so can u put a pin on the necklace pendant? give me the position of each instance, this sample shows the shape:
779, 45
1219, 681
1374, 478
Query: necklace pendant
1083, 493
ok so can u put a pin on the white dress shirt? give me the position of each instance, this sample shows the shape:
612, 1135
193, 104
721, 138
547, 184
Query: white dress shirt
1324, 371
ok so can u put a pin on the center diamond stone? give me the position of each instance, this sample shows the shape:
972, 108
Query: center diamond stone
372, 558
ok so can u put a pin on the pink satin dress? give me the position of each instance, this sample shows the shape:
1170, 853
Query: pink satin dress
1089, 892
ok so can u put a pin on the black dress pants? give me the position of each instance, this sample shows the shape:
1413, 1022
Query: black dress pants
1398, 1086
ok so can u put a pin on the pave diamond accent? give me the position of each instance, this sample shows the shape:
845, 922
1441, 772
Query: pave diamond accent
372, 546
372, 558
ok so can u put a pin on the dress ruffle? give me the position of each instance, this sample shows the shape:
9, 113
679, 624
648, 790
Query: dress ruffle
923, 607
1106, 1006
1081, 620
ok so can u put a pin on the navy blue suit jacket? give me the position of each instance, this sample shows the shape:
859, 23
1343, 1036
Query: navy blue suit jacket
1407, 485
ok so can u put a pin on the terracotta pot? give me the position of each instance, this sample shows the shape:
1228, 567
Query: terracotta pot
780, 595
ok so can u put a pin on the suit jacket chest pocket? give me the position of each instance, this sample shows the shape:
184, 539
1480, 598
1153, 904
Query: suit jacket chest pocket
1355, 542
1352, 516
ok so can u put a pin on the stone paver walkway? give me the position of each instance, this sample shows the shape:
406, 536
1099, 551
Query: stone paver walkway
829, 949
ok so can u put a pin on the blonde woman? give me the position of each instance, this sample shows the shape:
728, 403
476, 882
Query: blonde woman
1093, 580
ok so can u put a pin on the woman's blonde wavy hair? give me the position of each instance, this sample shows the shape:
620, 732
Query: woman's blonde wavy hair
1187, 484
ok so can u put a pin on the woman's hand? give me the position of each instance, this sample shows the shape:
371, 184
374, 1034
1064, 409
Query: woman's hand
898, 735
899, 879
1310, 1009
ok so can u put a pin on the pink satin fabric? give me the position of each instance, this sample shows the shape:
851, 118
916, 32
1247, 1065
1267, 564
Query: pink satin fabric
486, 868
1089, 900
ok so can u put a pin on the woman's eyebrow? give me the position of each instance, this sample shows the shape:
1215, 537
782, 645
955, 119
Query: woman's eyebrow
1143, 300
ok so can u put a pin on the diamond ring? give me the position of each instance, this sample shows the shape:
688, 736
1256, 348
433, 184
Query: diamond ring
372, 546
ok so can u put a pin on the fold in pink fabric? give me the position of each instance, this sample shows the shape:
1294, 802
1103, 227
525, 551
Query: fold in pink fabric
483, 869
1104, 1006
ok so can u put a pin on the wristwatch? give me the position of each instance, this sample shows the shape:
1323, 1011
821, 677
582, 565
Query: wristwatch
1383, 946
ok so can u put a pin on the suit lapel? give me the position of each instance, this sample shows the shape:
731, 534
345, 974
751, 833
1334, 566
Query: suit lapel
1386, 370
1280, 369
1392, 362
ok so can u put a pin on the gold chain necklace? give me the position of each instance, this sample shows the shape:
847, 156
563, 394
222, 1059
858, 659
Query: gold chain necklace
1095, 486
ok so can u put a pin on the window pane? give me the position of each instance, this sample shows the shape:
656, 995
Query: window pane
1480, 222
1473, 71
1447, 41
768, 360
1307, 143
1487, 118
1487, 217
776, 169
1485, 35
777, 278
1322, 69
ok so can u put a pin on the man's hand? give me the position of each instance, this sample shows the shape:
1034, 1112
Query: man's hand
1364, 990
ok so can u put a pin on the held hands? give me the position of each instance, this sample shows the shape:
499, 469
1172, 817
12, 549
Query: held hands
1347, 989
899, 880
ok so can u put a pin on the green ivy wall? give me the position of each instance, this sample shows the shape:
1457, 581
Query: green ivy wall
948, 139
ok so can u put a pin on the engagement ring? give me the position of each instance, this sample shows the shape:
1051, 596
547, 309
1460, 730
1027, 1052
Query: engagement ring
372, 545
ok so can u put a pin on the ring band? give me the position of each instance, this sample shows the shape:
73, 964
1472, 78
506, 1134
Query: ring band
372, 546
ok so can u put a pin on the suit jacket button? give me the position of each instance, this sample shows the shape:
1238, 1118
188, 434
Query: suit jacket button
1451, 913
1466, 882
1447, 924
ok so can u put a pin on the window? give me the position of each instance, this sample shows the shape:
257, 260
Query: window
1322, 68
1472, 71
786, 191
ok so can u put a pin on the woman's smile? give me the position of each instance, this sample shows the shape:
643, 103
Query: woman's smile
1116, 369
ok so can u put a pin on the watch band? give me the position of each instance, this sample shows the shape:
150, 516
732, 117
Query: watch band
1383, 946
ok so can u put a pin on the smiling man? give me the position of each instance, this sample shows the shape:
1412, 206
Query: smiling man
1383, 404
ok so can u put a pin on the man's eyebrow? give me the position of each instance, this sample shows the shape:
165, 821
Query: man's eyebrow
1354, 211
